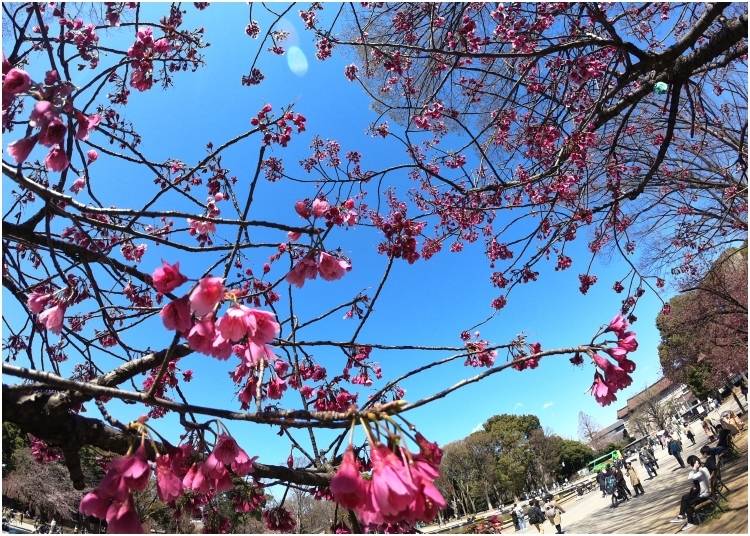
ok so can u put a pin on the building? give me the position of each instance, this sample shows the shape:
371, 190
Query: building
611, 434
663, 394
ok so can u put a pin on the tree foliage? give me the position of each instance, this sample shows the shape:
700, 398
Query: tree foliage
512, 455
704, 336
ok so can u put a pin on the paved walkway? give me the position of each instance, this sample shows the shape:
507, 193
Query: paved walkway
651, 512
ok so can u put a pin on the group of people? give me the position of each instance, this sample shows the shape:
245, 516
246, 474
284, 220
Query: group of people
614, 480
729, 421
702, 470
549, 510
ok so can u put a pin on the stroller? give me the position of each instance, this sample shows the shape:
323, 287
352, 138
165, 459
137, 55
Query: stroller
612, 489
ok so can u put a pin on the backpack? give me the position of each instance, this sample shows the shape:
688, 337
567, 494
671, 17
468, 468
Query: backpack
536, 516
609, 484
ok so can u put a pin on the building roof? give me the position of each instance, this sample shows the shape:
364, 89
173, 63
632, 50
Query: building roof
655, 389
609, 429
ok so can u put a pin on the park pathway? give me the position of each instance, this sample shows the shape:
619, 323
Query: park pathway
651, 512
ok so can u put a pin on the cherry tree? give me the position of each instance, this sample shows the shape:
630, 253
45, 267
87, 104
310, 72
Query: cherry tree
524, 126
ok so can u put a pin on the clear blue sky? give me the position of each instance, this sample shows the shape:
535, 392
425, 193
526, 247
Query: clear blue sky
425, 303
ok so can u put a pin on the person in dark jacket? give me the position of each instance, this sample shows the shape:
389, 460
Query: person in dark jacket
709, 455
674, 447
647, 461
689, 434
600, 478
536, 516
621, 483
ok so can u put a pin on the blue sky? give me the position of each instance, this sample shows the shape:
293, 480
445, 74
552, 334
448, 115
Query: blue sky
425, 303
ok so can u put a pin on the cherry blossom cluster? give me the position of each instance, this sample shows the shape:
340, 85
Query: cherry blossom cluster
176, 474
478, 352
279, 130
400, 232
143, 52
46, 116
42, 452
523, 361
329, 267
398, 486
614, 376
83, 36
344, 214
50, 304
112, 500
278, 519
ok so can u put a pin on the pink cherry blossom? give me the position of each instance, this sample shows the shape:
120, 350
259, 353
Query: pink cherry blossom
36, 301
16, 81
306, 268
276, 388
266, 326
393, 488
332, 268
111, 500
618, 324
122, 518
19, 150
228, 452
167, 277
221, 348
201, 336
176, 315
86, 124
428, 501
78, 185
53, 318
278, 519
628, 342
429, 450
196, 480
319, 207
168, 483
615, 377
42, 114
601, 391
56, 159
302, 208
236, 323
53, 132
92, 155
347, 485
206, 295
254, 352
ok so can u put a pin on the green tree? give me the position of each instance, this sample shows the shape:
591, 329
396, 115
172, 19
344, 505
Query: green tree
13, 439
575, 455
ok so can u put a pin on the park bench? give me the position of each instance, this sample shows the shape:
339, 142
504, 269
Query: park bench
708, 504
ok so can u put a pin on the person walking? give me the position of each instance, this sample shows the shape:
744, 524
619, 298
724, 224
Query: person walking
634, 479
514, 517
600, 478
689, 434
647, 461
521, 517
553, 510
620, 478
536, 516
674, 447
650, 450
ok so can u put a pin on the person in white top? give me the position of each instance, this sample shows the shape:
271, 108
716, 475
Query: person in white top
701, 479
